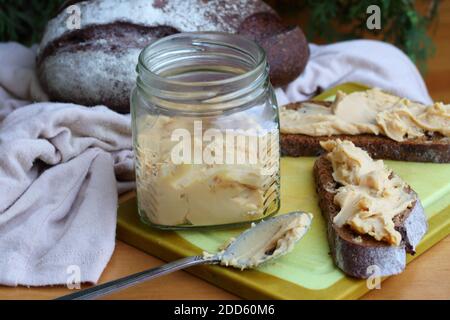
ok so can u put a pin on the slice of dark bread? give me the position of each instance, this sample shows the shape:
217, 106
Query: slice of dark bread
354, 253
434, 148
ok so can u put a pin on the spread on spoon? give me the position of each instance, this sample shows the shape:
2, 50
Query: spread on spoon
265, 241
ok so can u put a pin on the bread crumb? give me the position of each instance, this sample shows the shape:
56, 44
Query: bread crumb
330, 187
357, 239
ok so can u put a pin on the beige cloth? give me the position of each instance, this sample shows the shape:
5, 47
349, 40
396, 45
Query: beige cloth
370, 62
58, 169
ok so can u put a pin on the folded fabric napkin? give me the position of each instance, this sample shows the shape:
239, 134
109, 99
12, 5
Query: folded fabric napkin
374, 63
62, 165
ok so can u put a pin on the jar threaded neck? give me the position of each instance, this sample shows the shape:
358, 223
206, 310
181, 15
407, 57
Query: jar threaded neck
208, 71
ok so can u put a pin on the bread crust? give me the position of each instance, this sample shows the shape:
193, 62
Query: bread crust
425, 149
356, 254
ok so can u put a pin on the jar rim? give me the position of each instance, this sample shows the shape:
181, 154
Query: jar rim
217, 38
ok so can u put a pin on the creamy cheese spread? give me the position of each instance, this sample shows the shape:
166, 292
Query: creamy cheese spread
372, 111
370, 196
270, 242
198, 194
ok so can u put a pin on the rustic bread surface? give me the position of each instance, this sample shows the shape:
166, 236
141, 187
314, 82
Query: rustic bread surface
356, 254
426, 149
96, 63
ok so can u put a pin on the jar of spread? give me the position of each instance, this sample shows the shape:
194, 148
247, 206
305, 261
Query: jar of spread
205, 132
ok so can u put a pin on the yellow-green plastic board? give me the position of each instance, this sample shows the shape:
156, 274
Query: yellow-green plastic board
308, 271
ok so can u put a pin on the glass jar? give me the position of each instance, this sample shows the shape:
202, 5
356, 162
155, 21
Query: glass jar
205, 132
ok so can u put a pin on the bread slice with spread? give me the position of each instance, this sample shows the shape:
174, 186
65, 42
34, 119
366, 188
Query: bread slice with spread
386, 126
373, 217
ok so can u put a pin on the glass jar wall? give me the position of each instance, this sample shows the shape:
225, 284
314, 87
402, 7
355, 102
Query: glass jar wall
205, 132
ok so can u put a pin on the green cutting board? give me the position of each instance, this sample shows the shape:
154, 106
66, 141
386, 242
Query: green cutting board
308, 271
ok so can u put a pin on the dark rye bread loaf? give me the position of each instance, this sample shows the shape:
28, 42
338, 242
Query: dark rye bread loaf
354, 253
434, 148
96, 63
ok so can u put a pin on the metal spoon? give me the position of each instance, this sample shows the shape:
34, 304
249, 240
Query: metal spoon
265, 241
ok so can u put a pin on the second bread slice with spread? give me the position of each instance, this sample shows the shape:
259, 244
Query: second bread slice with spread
373, 217
386, 126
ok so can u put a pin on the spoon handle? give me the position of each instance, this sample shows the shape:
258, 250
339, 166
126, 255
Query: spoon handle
133, 279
